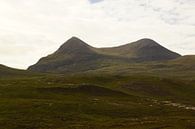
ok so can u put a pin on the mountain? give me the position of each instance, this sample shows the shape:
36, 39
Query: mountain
77, 56
73, 55
142, 50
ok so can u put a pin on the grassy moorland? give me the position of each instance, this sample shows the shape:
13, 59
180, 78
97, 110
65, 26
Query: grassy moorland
85, 101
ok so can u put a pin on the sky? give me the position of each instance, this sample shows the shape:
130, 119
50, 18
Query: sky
31, 29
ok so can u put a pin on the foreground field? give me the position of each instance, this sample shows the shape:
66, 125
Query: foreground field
98, 102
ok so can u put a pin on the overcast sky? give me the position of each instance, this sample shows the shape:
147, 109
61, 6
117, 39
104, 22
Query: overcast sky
31, 29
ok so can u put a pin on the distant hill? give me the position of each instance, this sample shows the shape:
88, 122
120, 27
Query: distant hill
7, 71
76, 56
183, 63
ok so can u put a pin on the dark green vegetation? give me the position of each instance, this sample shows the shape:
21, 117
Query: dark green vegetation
97, 101
77, 56
141, 85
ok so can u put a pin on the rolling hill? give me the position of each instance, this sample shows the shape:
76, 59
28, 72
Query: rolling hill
7, 71
77, 56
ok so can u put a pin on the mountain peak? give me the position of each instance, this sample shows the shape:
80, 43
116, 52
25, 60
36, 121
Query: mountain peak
73, 44
145, 42
149, 50
75, 41
147, 39
74, 38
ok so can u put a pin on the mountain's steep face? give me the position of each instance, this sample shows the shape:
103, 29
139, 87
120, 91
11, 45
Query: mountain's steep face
142, 50
77, 56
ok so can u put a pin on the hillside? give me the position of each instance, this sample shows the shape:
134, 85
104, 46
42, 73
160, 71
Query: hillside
7, 71
77, 56
184, 63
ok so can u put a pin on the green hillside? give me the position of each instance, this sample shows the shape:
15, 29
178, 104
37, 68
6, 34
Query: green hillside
184, 62
7, 71
182, 67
